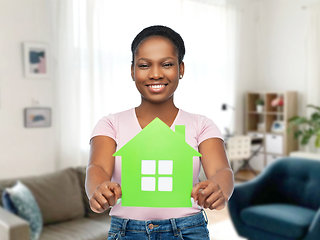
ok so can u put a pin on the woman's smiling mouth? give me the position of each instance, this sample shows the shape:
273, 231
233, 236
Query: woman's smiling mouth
156, 87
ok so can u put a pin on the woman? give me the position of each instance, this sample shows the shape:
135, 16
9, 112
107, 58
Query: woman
157, 67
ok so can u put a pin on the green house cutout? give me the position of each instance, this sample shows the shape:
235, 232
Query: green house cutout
157, 168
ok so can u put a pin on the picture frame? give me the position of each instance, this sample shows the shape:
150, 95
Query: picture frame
37, 117
36, 60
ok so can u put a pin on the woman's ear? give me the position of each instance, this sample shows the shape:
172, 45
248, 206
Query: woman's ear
132, 71
181, 69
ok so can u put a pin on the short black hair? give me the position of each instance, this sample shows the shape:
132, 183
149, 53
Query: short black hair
163, 31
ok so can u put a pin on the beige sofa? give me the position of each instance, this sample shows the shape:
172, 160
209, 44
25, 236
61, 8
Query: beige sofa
64, 207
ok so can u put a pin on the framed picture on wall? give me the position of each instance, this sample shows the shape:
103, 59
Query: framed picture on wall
37, 117
35, 60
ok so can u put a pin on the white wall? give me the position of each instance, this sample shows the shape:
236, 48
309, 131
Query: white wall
247, 59
272, 49
282, 32
23, 151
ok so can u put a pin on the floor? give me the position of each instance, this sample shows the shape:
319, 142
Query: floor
215, 216
220, 225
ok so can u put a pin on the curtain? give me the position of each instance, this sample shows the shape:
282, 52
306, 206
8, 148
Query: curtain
93, 61
313, 63
313, 55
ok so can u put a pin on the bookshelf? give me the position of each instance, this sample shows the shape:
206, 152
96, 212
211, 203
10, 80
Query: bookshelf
271, 124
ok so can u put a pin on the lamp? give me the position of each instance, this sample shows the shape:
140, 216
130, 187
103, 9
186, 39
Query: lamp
225, 107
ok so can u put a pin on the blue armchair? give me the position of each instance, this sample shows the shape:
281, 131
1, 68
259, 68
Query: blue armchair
282, 203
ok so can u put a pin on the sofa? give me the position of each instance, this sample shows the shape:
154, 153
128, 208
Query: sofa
282, 203
64, 208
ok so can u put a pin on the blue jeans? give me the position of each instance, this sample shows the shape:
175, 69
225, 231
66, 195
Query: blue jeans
188, 228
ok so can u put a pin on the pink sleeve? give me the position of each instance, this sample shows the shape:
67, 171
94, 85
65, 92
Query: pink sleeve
105, 127
207, 129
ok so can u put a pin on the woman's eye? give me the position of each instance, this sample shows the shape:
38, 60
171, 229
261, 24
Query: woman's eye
142, 65
168, 65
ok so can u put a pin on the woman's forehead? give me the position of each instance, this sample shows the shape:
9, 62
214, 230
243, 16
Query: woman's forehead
156, 45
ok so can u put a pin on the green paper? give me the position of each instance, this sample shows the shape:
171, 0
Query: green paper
157, 168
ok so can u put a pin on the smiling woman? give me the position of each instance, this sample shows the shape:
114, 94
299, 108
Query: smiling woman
157, 68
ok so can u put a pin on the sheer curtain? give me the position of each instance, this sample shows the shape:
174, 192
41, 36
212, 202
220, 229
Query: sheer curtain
313, 55
313, 62
93, 60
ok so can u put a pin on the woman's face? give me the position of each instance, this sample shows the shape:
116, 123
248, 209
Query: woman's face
156, 70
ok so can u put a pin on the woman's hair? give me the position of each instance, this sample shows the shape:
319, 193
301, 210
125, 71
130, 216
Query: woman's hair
162, 31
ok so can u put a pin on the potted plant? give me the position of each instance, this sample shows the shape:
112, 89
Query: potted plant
259, 105
310, 127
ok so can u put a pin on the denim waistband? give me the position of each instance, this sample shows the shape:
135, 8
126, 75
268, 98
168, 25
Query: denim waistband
167, 225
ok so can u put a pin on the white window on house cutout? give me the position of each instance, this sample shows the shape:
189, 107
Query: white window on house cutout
148, 183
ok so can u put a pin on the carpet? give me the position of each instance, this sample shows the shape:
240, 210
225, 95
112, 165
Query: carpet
223, 230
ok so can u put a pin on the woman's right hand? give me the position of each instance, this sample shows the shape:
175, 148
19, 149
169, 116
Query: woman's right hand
105, 196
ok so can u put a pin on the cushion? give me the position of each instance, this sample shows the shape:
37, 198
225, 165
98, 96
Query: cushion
88, 212
58, 195
6, 184
7, 203
289, 221
26, 206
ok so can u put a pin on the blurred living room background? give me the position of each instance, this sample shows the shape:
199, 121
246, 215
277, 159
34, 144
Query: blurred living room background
237, 52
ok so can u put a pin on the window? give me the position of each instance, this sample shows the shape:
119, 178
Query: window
97, 53
152, 176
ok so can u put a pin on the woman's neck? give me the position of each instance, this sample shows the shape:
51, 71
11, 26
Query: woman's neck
147, 111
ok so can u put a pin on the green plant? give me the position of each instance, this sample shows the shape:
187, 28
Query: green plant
309, 127
259, 102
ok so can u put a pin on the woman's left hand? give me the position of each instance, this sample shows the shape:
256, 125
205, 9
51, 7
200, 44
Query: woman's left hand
209, 195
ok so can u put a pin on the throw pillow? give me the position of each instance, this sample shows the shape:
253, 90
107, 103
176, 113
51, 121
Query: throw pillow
27, 208
7, 203
58, 195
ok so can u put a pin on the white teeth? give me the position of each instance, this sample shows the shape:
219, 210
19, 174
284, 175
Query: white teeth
156, 86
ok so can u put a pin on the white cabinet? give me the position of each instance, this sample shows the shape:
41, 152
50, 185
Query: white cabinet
274, 144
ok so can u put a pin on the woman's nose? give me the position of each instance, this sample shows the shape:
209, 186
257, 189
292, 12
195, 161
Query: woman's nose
156, 73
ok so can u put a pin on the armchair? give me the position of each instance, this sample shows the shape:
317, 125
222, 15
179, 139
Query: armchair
282, 203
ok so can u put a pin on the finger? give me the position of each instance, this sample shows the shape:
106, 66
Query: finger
196, 188
117, 191
211, 189
101, 199
95, 206
109, 195
219, 204
202, 196
210, 200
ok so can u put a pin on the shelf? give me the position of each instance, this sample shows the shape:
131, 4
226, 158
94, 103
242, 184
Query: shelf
274, 113
265, 132
274, 133
256, 132
255, 112
281, 143
267, 113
